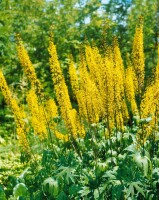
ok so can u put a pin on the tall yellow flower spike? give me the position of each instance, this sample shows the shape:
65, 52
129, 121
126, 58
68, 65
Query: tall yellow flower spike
18, 114
107, 79
118, 61
119, 77
138, 57
118, 104
92, 100
28, 67
130, 89
94, 61
61, 91
149, 106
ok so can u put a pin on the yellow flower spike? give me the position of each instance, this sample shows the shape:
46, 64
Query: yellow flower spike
130, 90
51, 109
61, 136
79, 127
138, 57
152, 93
38, 117
82, 104
108, 87
5, 90
73, 78
93, 100
93, 60
148, 103
28, 67
149, 108
118, 62
61, 90
58, 79
119, 80
118, 98
18, 114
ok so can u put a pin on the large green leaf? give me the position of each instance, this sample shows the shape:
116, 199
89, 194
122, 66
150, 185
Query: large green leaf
132, 148
144, 163
66, 173
20, 190
62, 196
84, 191
50, 186
130, 191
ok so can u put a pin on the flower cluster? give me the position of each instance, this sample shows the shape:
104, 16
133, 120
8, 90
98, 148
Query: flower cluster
38, 118
138, 58
92, 101
28, 67
61, 90
130, 90
18, 114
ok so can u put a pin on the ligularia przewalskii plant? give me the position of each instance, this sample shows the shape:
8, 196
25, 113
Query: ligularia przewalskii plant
106, 146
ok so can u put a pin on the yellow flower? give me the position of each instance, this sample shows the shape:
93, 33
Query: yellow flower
61, 136
28, 67
130, 90
92, 103
73, 78
38, 117
138, 58
51, 109
108, 89
149, 106
80, 132
94, 61
148, 103
118, 62
82, 104
18, 114
119, 76
61, 90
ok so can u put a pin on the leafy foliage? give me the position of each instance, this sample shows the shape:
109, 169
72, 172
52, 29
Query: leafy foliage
100, 165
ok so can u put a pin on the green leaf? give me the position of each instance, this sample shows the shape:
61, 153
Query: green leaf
66, 173
2, 194
138, 188
96, 194
101, 167
144, 163
117, 191
73, 190
145, 120
110, 174
131, 148
134, 185
50, 185
62, 196
20, 190
127, 136
157, 136
130, 191
84, 191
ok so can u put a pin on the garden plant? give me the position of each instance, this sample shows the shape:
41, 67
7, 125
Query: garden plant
94, 135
